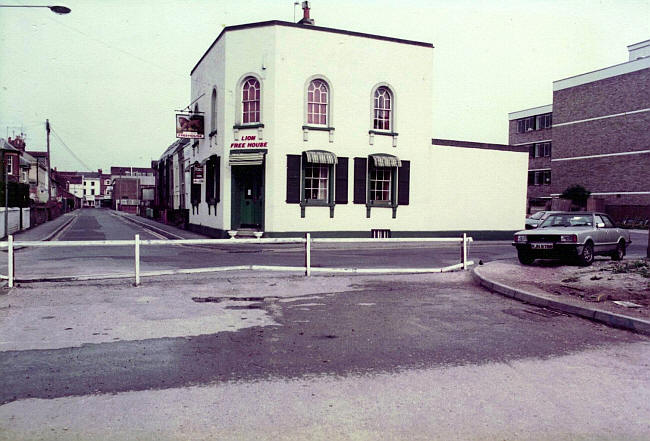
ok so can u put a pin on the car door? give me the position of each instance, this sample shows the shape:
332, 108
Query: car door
604, 235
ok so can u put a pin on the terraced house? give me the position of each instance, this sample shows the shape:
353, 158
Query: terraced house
328, 131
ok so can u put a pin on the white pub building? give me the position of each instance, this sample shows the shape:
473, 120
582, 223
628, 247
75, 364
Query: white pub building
313, 129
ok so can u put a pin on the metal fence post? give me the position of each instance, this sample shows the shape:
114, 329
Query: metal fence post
10, 260
464, 260
137, 260
307, 254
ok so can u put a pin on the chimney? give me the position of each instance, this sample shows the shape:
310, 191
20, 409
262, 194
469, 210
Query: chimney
305, 15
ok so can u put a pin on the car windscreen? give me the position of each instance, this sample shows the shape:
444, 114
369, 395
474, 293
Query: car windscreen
568, 220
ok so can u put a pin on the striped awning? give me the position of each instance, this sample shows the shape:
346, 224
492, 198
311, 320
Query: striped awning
385, 160
320, 157
246, 158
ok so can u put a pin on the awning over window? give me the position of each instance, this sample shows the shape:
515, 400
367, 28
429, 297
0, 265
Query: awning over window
385, 160
246, 158
320, 157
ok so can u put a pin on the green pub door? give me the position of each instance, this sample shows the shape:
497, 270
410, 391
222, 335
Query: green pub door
247, 197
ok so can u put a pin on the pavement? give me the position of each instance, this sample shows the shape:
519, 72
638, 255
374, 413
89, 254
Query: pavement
511, 279
168, 231
47, 230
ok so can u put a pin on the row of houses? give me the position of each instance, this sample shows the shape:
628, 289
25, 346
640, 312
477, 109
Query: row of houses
129, 189
31, 169
337, 142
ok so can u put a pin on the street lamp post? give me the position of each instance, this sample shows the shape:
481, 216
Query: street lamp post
61, 10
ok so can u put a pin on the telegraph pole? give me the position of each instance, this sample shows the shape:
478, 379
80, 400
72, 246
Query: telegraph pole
49, 177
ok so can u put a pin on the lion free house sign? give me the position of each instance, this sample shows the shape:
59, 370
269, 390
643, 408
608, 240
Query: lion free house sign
249, 141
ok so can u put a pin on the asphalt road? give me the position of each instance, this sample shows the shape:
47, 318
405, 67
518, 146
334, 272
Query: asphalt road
288, 357
100, 224
379, 327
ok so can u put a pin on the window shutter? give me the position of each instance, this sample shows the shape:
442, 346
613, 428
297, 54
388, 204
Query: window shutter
209, 180
360, 176
217, 178
403, 178
293, 179
341, 196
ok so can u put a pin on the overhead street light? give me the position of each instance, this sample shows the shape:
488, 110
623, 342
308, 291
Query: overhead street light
61, 10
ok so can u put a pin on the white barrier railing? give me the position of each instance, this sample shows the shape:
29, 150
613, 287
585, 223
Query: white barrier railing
10, 244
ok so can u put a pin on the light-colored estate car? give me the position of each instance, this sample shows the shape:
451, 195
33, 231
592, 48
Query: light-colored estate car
581, 235
534, 220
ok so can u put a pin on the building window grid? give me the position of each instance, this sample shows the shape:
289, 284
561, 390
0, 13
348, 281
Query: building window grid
544, 121
537, 122
526, 124
541, 149
317, 182
382, 109
539, 177
251, 101
380, 184
317, 102
10, 165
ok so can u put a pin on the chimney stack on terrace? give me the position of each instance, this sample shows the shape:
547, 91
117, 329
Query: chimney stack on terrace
305, 15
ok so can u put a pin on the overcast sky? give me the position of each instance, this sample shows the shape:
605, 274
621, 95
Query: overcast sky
110, 74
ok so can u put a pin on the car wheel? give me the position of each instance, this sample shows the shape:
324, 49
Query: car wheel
586, 258
525, 258
620, 251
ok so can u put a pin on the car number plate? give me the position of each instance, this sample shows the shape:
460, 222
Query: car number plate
542, 246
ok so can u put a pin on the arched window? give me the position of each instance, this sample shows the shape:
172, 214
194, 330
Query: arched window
382, 118
317, 103
250, 101
213, 112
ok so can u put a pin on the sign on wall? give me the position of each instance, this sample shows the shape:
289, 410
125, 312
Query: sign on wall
249, 141
189, 126
197, 174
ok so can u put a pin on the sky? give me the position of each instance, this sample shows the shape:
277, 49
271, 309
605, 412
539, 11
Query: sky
110, 75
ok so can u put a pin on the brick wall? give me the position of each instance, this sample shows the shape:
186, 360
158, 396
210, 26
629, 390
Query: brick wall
528, 137
618, 94
612, 135
609, 174
533, 191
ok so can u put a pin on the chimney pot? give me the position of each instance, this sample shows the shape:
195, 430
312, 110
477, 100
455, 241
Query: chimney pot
305, 14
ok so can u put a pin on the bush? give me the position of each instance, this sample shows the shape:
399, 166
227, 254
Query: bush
576, 194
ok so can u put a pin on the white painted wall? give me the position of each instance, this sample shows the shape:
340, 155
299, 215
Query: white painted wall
14, 220
451, 188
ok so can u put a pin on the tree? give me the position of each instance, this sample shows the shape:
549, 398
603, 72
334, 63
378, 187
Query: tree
576, 194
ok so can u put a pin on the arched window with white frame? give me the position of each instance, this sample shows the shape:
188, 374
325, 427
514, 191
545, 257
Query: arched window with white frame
383, 109
251, 94
318, 103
